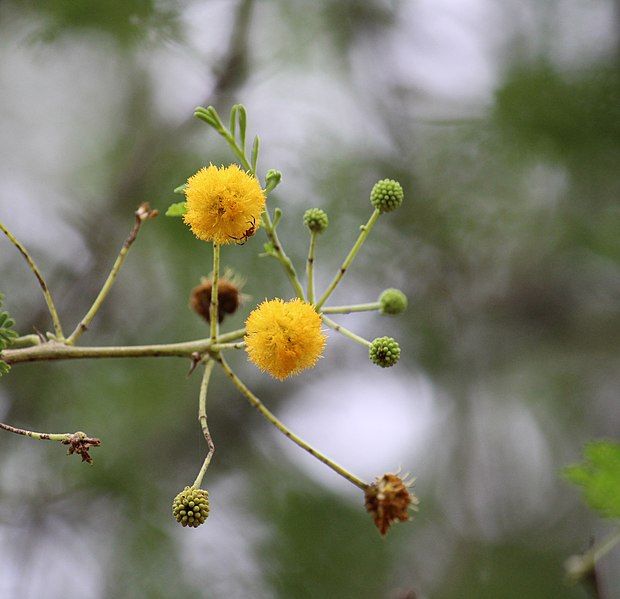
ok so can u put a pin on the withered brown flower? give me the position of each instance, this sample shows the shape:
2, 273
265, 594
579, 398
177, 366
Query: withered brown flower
80, 443
389, 500
229, 296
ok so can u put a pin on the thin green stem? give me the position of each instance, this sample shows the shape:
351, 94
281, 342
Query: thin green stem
143, 213
371, 306
34, 435
239, 153
258, 404
59, 351
365, 230
349, 334
37, 273
280, 254
581, 565
213, 312
202, 419
310, 266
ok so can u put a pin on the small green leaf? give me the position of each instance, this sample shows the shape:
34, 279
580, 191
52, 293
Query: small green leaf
210, 116
180, 188
207, 117
178, 209
243, 119
277, 215
233, 119
6, 333
4, 368
599, 475
255, 150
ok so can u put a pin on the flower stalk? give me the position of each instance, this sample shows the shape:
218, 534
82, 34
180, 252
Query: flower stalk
346, 332
310, 266
279, 253
202, 419
214, 295
365, 230
270, 417
369, 307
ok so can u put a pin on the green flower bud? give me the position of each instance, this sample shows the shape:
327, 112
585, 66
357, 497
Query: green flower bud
272, 179
393, 301
386, 195
191, 507
316, 220
384, 352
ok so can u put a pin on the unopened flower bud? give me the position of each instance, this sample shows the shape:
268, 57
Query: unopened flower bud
384, 352
393, 301
316, 220
191, 507
386, 195
272, 179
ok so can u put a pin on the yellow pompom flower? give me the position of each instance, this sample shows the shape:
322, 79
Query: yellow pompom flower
284, 338
223, 204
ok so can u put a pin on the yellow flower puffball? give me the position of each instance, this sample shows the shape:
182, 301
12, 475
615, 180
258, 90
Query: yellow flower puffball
223, 204
284, 338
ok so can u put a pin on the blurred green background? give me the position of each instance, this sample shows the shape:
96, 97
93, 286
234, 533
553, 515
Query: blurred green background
502, 122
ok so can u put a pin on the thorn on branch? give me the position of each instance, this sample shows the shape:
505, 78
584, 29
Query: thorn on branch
79, 443
196, 358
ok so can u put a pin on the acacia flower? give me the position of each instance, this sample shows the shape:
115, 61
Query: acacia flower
284, 338
223, 204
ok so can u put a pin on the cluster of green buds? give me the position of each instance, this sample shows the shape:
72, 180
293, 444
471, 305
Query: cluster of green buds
384, 352
316, 220
191, 507
386, 195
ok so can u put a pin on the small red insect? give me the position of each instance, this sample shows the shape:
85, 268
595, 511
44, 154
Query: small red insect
248, 233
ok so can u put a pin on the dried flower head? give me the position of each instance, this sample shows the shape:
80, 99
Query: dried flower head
284, 338
389, 500
191, 507
223, 204
79, 443
229, 295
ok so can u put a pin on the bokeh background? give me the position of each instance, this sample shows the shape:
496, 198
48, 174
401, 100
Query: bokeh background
502, 122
